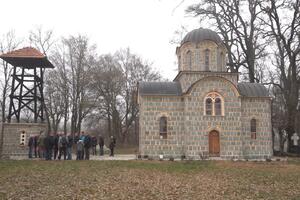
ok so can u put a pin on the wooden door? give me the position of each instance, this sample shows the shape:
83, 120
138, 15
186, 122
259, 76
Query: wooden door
214, 143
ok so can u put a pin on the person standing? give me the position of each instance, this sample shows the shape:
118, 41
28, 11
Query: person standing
79, 148
55, 146
35, 140
52, 142
41, 145
48, 147
101, 145
87, 145
112, 145
62, 145
69, 146
82, 137
76, 138
30, 146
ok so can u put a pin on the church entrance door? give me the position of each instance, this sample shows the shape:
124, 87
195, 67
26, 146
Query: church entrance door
214, 144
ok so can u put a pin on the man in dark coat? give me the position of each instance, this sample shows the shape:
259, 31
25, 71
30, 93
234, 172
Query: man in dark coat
112, 145
101, 145
87, 145
30, 146
35, 139
52, 143
76, 138
55, 146
48, 147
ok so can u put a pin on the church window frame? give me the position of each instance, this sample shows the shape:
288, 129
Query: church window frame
253, 128
163, 127
222, 57
208, 106
189, 59
218, 106
206, 59
198, 60
213, 104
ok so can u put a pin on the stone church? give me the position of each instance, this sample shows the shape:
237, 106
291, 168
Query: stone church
205, 111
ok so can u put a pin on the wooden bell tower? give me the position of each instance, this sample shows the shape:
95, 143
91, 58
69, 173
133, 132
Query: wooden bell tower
27, 82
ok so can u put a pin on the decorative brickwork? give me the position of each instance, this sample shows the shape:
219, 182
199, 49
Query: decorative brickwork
186, 79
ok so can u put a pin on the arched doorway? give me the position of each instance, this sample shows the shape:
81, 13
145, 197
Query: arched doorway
214, 143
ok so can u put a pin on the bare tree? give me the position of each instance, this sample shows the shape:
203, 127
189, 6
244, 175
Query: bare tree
134, 70
54, 98
79, 58
179, 34
239, 24
61, 80
108, 81
284, 27
115, 79
8, 43
43, 41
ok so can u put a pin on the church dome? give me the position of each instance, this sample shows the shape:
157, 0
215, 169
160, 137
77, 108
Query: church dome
200, 34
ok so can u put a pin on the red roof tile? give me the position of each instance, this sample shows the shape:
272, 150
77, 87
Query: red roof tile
27, 57
27, 52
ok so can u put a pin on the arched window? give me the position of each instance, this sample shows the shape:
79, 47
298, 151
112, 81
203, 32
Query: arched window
214, 104
163, 127
222, 60
197, 59
218, 106
253, 128
189, 59
206, 59
208, 106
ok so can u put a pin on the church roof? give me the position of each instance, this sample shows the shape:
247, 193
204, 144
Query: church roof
174, 89
201, 34
160, 88
252, 90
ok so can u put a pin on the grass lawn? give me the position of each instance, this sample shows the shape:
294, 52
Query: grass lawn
149, 180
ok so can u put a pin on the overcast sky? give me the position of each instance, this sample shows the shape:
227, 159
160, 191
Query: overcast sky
146, 26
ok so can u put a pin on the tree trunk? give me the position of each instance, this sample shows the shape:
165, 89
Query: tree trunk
273, 139
281, 141
109, 125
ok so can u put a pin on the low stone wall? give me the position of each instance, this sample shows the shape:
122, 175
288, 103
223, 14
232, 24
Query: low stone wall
12, 138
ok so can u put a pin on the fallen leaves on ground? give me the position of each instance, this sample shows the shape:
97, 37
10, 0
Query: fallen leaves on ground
148, 180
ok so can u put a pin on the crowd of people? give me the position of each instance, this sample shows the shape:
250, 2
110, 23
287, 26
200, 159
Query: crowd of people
56, 146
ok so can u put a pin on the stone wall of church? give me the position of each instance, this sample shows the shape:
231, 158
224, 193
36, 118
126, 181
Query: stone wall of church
198, 126
151, 109
189, 127
186, 79
260, 109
